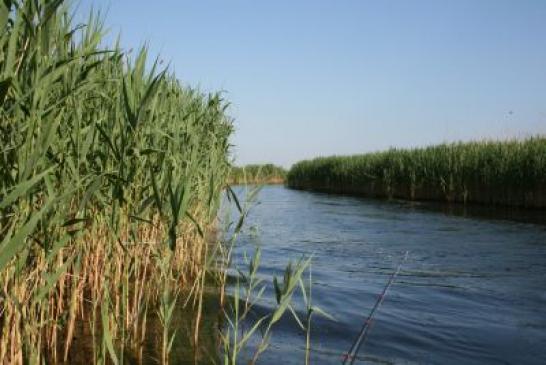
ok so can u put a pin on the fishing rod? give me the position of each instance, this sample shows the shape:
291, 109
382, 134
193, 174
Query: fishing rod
349, 357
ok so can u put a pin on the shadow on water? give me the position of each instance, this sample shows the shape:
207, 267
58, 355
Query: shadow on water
476, 211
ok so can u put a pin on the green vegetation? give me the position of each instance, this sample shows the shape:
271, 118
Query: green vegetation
257, 174
110, 174
246, 335
490, 172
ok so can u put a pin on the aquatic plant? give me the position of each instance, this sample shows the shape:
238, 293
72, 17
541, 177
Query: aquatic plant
240, 329
110, 176
242, 326
257, 174
509, 172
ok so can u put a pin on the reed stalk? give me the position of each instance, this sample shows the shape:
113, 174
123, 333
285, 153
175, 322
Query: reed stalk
511, 172
111, 172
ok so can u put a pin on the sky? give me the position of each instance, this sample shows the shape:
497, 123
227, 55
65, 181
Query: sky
316, 78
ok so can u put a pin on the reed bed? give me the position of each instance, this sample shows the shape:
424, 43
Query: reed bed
110, 176
511, 173
257, 174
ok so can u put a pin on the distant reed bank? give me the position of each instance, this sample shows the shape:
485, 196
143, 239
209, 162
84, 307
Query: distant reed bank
257, 174
511, 173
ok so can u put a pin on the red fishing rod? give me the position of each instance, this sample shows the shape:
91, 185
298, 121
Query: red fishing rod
349, 357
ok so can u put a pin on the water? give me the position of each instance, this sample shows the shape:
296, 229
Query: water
473, 290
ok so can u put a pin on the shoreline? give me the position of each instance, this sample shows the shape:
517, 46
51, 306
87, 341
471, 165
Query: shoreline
533, 199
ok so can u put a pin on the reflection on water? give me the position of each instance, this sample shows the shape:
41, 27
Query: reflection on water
476, 211
473, 290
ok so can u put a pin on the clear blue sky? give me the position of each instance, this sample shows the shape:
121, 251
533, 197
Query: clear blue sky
309, 78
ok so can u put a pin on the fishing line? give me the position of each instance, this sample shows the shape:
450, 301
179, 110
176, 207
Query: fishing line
349, 357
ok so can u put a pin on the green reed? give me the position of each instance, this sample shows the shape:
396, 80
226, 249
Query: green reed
505, 171
257, 174
244, 336
107, 162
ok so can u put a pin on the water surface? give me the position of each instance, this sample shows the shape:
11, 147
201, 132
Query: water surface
473, 290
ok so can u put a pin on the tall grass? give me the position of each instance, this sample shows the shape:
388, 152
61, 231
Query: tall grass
257, 174
246, 335
497, 172
110, 174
